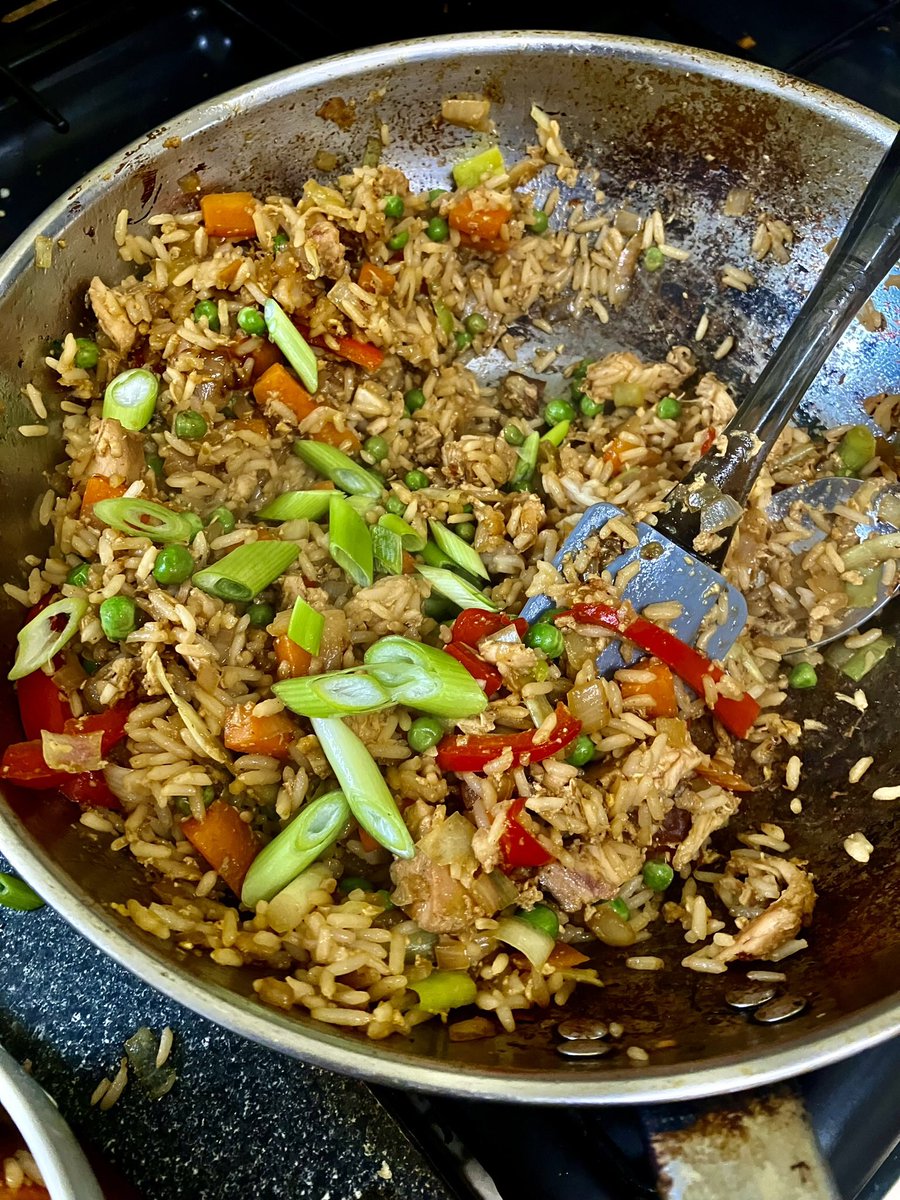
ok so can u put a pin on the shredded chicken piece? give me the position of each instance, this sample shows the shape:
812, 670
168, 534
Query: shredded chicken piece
705, 824
781, 921
111, 315
324, 249
118, 452
436, 901
574, 889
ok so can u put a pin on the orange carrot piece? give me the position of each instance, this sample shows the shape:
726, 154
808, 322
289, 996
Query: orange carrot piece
366, 840
363, 354
225, 841
716, 772
479, 227
247, 734
227, 274
409, 563
97, 488
323, 485
293, 660
277, 384
373, 278
615, 451
253, 425
229, 214
264, 356
343, 439
563, 955
661, 690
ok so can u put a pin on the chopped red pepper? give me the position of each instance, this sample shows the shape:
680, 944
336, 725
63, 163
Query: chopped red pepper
23, 763
41, 704
736, 715
111, 724
473, 624
518, 847
89, 789
467, 752
483, 672
708, 439
363, 354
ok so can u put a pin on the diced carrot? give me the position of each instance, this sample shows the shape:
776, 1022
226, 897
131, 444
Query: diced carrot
97, 488
225, 841
716, 772
373, 278
409, 563
263, 357
253, 425
661, 690
479, 227
227, 274
363, 354
323, 485
708, 438
247, 734
563, 955
615, 451
366, 840
229, 214
343, 439
277, 384
293, 660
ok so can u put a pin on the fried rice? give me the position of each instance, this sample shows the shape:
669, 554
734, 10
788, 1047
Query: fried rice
351, 945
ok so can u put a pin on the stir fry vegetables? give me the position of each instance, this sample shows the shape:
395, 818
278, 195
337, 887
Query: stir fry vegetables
229, 214
465, 752
46, 634
299, 844
246, 571
130, 398
146, 518
225, 841
16, 894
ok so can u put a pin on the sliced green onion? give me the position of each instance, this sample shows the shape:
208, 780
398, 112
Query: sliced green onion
130, 398
298, 845
16, 894
534, 943
305, 626
459, 551
857, 447
292, 344
470, 172
864, 595
388, 549
862, 661
435, 557
873, 550
557, 434
520, 480
343, 472
410, 539
146, 518
443, 990
458, 590
363, 784
443, 314
423, 677
39, 641
350, 543
244, 572
296, 506
336, 694
372, 152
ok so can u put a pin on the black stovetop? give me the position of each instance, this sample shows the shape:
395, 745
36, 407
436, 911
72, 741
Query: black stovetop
67, 102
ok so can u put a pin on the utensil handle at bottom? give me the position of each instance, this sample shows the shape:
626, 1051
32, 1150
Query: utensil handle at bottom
758, 1146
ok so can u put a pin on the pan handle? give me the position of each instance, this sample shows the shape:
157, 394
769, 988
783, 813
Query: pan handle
759, 1146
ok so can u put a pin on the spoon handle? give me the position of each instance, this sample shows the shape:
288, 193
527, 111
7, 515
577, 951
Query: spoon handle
865, 252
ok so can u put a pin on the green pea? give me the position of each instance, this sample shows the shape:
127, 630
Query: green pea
118, 617
424, 733
252, 321
189, 425
376, 448
16, 894
87, 355
546, 637
437, 230
224, 518
394, 206
466, 531
156, 465
513, 435
541, 917
435, 194
803, 675
415, 480
207, 310
539, 222
558, 410
620, 908
260, 614
669, 408
657, 875
89, 666
589, 407
395, 505
174, 564
279, 241
398, 240
653, 258
79, 575
462, 339
582, 752
475, 323
353, 883
857, 447
414, 400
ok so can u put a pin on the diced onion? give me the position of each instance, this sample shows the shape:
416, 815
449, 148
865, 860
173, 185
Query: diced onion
72, 752
587, 704
536, 945
722, 513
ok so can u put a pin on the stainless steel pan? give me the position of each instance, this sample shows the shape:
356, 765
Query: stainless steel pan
662, 123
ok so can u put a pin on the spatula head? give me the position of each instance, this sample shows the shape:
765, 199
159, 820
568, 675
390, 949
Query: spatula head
668, 572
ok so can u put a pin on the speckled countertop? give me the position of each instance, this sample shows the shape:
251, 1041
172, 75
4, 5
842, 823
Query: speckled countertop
240, 1122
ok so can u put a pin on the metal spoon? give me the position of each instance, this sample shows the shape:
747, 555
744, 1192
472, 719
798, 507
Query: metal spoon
671, 567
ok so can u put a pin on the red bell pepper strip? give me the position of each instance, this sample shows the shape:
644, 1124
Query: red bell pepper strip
363, 354
467, 752
110, 723
23, 763
736, 715
473, 624
482, 672
89, 790
518, 847
41, 704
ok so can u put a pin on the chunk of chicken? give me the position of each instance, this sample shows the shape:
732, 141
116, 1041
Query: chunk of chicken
111, 315
781, 921
118, 452
324, 249
436, 901
574, 889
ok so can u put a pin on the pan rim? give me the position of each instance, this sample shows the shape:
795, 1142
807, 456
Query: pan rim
391, 1065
